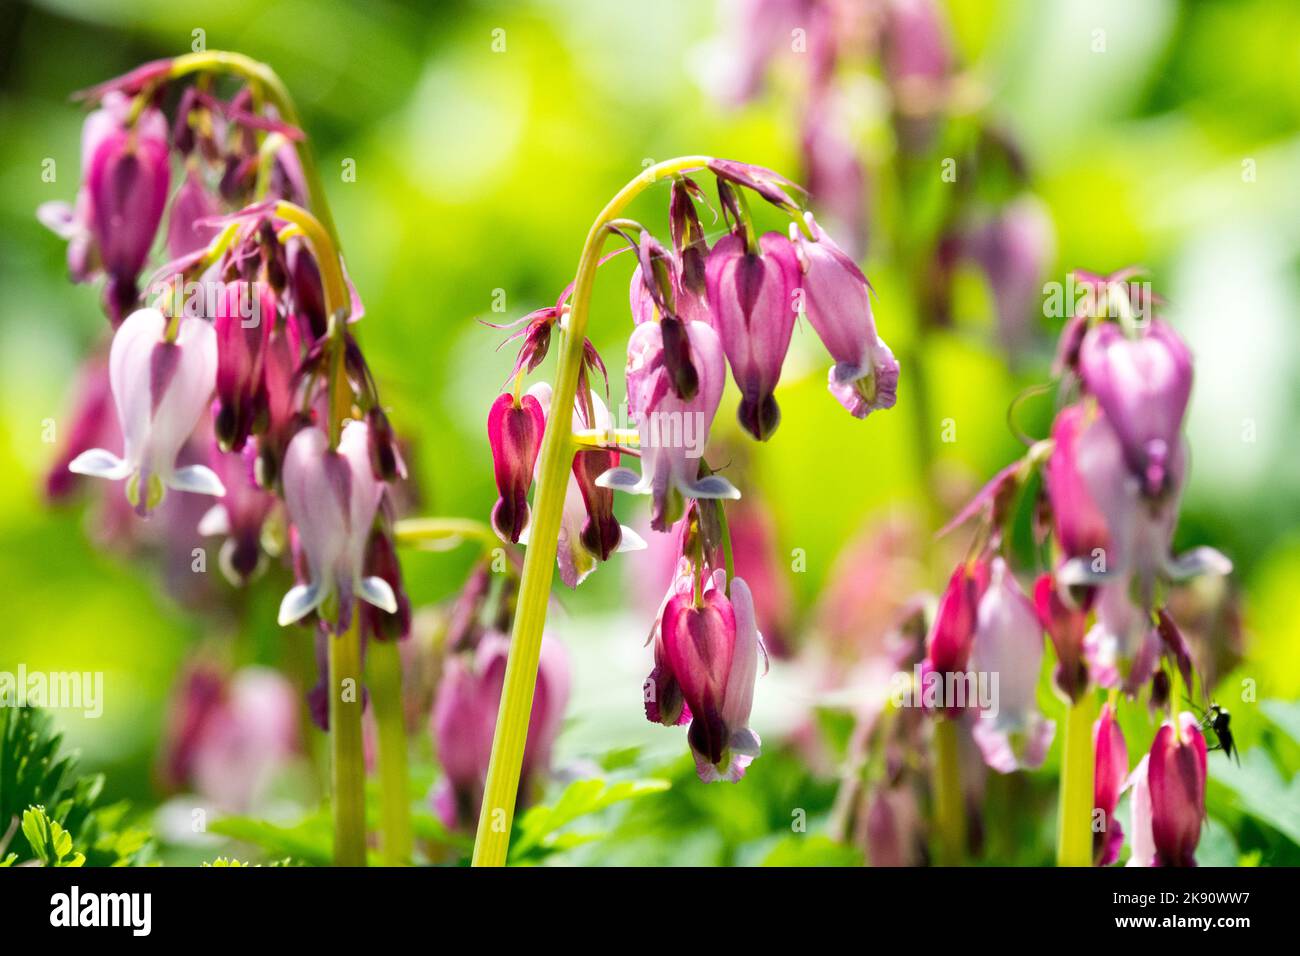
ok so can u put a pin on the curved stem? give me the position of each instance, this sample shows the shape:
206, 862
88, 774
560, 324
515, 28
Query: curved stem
271, 86
347, 760
493, 839
385, 667
1074, 813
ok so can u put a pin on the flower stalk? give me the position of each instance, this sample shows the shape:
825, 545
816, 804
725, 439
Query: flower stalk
558, 447
1074, 821
385, 672
347, 760
949, 803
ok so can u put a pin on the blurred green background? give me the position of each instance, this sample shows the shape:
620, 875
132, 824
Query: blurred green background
479, 171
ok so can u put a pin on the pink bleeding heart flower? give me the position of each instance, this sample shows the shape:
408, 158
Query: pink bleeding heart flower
751, 299
589, 531
189, 225
93, 424
464, 719
515, 426
332, 497
245, 315
127, 183
1012, 735
230, 736
1067, 625
952, 634
1110, 770
712, 648
1142, 384
836, 300
239, 516
1079, 524
1014, 249
381, 562
161, 390
1176, 778
672, 431
1139, 528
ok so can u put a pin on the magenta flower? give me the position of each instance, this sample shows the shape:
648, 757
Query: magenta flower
589, 532
712, 648
952, 634
1014, 249
245, 315
1110, 770
1067, 625
464, 718
1079, 525
1176, 777
189, 226
515, 426
161, 389
1142, 384
836, 300
93, 424
332, 497
127, 182
751, 298
1009, 643
228, 737
239, 516
673, 432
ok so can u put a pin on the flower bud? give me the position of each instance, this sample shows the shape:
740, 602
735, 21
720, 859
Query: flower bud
515, 429
1109, 773
1176, 777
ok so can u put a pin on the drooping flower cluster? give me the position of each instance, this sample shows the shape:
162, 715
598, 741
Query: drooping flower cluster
232, 370
1113, 471
697, 309
994, 226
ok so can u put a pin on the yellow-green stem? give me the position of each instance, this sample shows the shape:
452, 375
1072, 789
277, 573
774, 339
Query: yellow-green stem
493, 839
385, 666
347, 758
949, 802
1074, 814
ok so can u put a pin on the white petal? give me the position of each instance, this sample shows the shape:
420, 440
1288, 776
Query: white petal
630, 540
215, 521
300, 601
199, 479
712, 486
99, 463
623, 479
1198, 561
377, 591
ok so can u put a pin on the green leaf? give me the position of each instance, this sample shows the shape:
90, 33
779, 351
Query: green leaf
812, 850
1261, 792
311, 840
537, 832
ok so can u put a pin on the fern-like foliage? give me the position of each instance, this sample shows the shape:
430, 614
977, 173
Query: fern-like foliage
48, 812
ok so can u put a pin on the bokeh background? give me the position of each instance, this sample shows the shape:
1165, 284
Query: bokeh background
477, 173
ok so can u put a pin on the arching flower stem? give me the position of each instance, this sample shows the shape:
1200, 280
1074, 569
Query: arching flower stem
1074, 820
493, 839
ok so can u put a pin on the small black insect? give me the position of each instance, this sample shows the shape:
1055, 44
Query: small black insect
1220, 721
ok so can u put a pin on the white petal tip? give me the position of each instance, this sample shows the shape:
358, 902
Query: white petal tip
99, 463
199, 480
300, 601
377, 591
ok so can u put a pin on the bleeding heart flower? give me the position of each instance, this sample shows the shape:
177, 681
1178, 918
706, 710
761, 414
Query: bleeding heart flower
712, 646
1110, 770
161, 390
1009, 643
515, 426
332, 497
951, 636
1176, 777
836, 300
673, 431
751, 299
